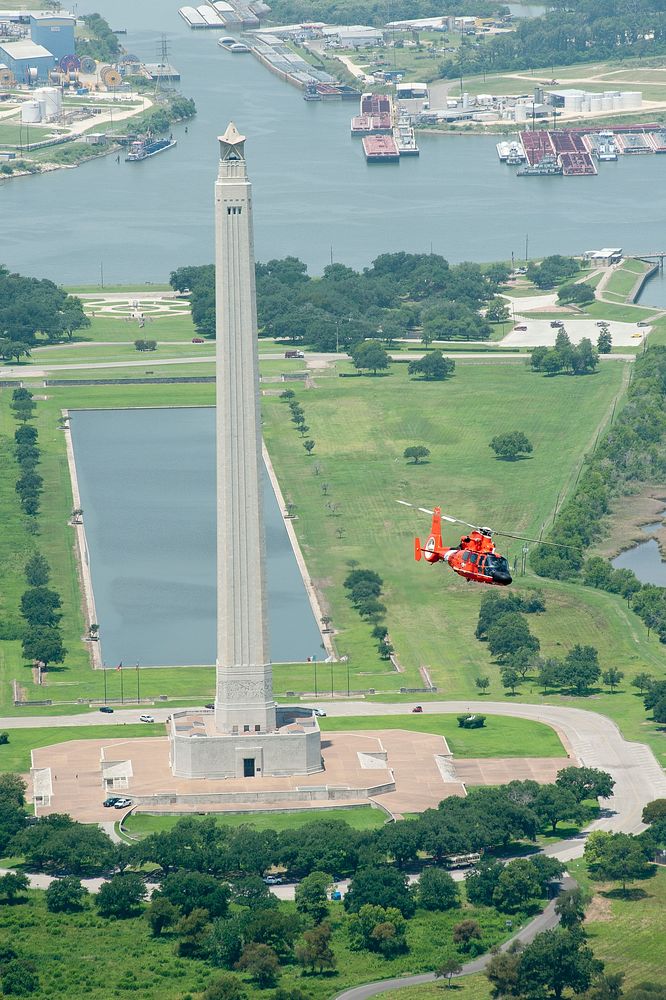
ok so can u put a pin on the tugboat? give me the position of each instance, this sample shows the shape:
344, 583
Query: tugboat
546, 167
311, 93
141, 149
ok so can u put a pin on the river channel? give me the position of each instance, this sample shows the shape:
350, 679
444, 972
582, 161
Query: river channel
147, 484
314, 194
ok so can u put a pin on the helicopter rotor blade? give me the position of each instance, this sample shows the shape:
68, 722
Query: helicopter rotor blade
444, 517
537, 541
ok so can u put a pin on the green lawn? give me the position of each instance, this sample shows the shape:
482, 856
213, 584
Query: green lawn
623, 280
15, 755
13, 134
501, 737
360, 818
466, 988
627, 934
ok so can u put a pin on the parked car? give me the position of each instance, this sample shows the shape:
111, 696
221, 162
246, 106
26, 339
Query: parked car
642, 322
122, 803
418, 709
601, 322
146, 718
198, 340
318, 712
111, 801
211, 705
520, 329
273, 880
556, 322
336, 894
106, 709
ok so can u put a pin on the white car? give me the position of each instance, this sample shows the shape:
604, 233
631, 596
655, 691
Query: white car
318, 712
273, 880
146, 718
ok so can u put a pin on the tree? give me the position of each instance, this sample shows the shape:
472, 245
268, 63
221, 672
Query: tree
502, 973
314, 951
12, 885
555, 961
161, 913
309, 446
654, 811
466, 934
512, 445
417, 452
437, 890
121, 896
617, 857
448, 969
579, 294
581, 668
193, 932
381, 886
432, 367
482, 684
370, 354
570, 908
19, 978
604, 342
261, 962
612, 678
517, 885
189, 890
379, 929
584, 358
510, 679
552, 363
225, 987
554, 803
37, 570
43, 645
312, 896
481, 883
65, 895
39, 607
509, 634
497, 311
642, 681
586, 782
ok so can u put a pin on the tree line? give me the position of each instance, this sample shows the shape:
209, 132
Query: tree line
30, 307
386, 301
571, 31
631, 452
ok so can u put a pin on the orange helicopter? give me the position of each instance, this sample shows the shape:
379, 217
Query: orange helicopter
476, 558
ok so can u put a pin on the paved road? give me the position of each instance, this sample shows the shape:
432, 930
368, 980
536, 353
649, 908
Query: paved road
543, 922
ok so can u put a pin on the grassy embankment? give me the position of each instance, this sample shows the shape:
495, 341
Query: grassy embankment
80, 954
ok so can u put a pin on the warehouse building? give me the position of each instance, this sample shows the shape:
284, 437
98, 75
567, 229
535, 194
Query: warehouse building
28, 61
54, 31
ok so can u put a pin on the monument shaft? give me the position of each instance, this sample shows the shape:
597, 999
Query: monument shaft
244, 692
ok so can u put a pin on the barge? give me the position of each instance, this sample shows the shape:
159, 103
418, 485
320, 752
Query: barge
381, 149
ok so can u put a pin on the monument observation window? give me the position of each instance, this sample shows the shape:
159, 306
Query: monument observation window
246, 729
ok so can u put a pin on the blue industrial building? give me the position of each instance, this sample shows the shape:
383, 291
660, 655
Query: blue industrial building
54, 31
29, 62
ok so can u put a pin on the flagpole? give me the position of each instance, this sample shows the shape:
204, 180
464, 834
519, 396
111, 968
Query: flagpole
122, 696
104, 669
138, 689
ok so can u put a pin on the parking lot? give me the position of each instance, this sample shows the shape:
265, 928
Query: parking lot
540, 333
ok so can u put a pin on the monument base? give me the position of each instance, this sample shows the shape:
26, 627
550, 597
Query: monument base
199, 750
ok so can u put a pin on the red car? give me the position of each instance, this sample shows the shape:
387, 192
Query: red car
417, 708
198, 340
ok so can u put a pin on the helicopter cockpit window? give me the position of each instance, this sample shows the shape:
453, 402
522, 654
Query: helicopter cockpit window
498, 564
473, 556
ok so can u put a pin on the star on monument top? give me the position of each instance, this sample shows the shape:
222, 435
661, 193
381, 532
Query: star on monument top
232, 144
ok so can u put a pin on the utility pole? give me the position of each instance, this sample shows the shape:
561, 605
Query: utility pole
527, 244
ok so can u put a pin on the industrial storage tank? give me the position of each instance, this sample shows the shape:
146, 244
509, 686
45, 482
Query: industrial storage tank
52, 98
31, 113
523, 112
632, 100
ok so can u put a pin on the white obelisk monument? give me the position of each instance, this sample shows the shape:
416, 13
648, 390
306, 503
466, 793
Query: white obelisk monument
248, 736
244, 692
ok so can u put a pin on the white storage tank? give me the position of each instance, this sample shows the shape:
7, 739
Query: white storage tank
52, 97
632, 100
31, 113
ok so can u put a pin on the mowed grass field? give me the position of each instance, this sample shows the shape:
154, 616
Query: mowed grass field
359, 817
500, 737
361, 427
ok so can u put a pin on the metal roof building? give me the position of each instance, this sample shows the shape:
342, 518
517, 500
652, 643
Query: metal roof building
54, 31
28, 61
